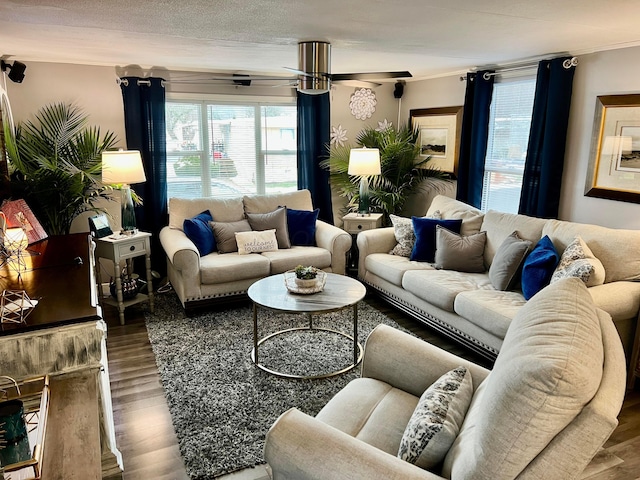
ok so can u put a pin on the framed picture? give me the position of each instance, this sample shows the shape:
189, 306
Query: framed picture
20, 215
614, 164
439, 135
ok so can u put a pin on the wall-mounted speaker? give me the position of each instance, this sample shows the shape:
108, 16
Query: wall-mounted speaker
398, 90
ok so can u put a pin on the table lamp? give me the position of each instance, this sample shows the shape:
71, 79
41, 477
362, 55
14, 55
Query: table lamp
124, 167
364, 162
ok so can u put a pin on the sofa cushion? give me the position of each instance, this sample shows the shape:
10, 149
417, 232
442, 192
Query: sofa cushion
500, 225
284, 260
538, 267
217, 268
223, 210
392, 267
198, 230
463, 253
225, 233
437, 419
302, 226
578, 261
424, 249
276, 220
403, 231
617, 249
507, 262
372, 411
549, 368
450, 208
621, 300
256, 241
491, 310
440, 287
299, 200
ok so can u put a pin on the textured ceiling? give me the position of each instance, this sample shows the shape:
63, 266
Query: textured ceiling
427, 37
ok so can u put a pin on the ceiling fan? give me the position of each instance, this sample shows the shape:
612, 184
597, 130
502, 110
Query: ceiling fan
314, 72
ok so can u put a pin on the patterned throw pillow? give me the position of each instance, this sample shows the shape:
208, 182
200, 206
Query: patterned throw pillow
436, 421
578, 261
403, 231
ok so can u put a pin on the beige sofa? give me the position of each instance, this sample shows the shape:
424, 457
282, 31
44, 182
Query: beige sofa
215, 276
465, 306
519, 424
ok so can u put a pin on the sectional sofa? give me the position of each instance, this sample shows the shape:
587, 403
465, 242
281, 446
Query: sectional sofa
466, 306
204, 279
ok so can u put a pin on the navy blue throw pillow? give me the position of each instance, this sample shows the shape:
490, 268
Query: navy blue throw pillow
198, 230
302, 226
424, 249
538, 267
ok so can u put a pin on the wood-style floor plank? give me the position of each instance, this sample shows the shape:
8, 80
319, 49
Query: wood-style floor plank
147, 440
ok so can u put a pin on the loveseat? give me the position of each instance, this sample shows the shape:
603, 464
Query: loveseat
466, 306
544, 410
214, 276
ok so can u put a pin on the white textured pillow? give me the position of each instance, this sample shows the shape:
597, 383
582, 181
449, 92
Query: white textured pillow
256, 241
436, 421
578, 261
403, 231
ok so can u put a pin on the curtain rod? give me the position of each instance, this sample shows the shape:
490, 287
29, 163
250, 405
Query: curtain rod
567, 64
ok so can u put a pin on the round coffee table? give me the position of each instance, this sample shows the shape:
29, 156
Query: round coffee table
339, 292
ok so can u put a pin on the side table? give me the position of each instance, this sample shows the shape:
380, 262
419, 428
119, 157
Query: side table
354, 223
119, 248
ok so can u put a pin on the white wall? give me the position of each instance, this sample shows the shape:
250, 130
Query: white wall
611, 72
603, 73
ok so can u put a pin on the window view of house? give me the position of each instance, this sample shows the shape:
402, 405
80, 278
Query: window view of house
509, 125
225, 150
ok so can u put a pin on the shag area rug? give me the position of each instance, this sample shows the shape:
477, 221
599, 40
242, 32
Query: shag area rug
221, 404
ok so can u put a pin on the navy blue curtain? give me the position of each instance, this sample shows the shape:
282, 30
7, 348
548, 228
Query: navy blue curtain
473, 137
313, 138
543, 168
145, 126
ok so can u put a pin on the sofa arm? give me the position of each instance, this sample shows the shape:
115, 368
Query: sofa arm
181, 252
379, 240
337, 242
300, 447
408, 363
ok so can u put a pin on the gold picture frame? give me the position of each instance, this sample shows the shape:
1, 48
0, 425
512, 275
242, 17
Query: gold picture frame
439, 135
614, 164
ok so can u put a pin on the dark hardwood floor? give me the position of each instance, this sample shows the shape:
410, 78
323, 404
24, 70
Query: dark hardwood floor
147, 440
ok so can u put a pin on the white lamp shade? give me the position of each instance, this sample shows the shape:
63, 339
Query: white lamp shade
122, 166
364, 161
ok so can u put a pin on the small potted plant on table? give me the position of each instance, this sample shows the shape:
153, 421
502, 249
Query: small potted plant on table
306, 277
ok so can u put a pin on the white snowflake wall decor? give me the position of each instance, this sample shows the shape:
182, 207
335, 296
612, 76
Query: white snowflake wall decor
338, 135
363, 103
384, 125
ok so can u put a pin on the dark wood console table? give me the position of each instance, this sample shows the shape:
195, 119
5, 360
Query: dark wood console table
64, 337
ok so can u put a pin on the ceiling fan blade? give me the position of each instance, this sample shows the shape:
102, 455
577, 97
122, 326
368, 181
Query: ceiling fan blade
300, 72
369, 75
358, 83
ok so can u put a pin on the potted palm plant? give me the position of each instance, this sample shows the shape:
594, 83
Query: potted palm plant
402, 170
55, 164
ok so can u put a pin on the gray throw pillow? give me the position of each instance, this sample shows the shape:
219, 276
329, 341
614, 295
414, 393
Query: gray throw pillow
437, 419
225, 233
276, 220
507, 262
462, 253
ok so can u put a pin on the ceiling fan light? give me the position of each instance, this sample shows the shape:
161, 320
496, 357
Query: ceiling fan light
314, 58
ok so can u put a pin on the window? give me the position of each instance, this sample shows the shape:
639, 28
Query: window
217, 149
509, 125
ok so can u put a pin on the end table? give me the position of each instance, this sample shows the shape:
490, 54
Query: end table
119, 248
354, 223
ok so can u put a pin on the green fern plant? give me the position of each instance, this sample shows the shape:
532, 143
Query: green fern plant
56, 165
402, 170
